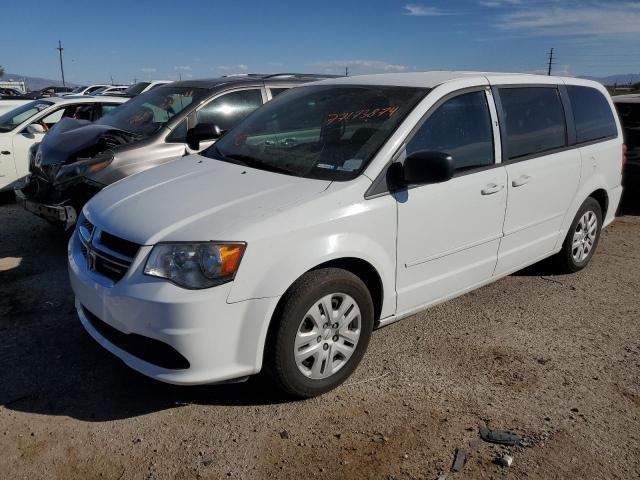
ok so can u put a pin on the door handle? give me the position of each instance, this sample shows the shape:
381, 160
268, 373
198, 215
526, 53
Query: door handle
5, 152
521, 180
492, 188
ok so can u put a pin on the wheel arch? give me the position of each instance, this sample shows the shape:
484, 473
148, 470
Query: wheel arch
364, 270
601, 196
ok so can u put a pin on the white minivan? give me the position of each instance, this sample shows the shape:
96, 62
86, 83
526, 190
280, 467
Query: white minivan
339, 207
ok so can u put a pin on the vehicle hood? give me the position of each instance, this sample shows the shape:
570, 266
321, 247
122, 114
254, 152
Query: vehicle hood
194, 198
70, 140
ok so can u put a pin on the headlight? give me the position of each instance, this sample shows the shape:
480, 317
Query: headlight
195, 265
84, 167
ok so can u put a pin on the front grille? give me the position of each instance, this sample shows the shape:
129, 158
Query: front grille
85, 228
148, 349
87, 224
106, 254
110, 269
119, 245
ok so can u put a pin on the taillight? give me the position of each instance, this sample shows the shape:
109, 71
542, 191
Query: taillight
624, 155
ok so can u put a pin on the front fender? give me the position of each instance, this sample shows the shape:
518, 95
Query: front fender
366, 231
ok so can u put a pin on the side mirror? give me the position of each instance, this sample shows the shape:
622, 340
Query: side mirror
202, 132
35, 129
426, 167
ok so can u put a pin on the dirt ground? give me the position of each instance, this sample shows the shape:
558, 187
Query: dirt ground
554, 358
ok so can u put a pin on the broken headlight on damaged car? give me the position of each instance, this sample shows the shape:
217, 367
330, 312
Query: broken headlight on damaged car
83, 167
195, 265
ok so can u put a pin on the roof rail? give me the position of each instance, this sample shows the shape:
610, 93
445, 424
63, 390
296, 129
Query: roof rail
303, 75
265, 76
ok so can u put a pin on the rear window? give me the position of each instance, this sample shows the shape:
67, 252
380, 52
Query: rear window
534, 120
592, 114
277, 91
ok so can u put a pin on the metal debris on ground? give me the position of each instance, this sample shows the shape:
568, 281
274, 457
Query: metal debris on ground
504, 460
459, 460
503, 437
378, 438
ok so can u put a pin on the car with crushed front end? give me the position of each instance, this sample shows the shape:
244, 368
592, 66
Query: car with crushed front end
26, 125
169, 121
341, 206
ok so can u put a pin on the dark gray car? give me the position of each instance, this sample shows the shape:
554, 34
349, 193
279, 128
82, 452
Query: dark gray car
77, 159
628, 107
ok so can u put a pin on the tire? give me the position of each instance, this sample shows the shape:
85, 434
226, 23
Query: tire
571, 259
326, 355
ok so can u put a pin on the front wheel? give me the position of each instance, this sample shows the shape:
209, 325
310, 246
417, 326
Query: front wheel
321, 332
582, 238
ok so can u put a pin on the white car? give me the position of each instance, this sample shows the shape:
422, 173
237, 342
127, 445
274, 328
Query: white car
110, 90
337, 207
9, 104
86, 89
25, 125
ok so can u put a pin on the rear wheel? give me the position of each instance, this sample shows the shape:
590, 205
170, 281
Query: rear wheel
582, 238
321, 332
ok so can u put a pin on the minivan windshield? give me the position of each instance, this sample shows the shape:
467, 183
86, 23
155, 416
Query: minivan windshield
15, 117
328, 132
147, 113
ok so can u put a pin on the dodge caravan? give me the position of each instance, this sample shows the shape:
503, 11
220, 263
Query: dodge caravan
339, 207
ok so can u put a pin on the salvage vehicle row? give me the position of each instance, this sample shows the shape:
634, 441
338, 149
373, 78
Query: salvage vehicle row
169, 121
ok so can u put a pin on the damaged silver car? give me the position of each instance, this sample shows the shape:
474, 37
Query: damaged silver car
78, 158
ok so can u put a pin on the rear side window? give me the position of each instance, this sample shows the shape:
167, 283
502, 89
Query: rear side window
277, 91
104, 108
592, 114
533, 120
460, 127
227, 111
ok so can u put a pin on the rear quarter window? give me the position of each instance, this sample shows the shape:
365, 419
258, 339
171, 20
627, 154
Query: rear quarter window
592, 114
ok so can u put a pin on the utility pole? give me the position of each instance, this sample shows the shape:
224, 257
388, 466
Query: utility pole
550, 61
346, 71
111, 79
60, 49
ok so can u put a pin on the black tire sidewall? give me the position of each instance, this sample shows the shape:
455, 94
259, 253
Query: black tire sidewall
308, 290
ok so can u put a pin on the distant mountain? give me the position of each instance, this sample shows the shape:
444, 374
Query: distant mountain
618, 79
33, 83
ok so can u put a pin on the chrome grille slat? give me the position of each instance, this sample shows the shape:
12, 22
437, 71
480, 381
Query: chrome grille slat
100, 259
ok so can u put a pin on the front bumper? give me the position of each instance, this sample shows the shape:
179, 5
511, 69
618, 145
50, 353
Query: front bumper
62, 214
221, 341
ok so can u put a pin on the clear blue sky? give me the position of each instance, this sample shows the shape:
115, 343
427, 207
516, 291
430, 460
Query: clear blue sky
146, 39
